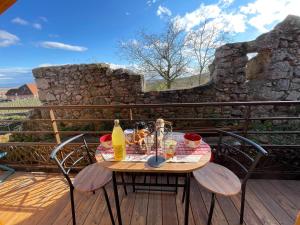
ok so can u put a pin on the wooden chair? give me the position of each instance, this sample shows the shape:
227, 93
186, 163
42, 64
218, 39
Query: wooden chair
245, 154
89, 179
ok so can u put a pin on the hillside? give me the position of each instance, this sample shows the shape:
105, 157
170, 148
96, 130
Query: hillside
180, 83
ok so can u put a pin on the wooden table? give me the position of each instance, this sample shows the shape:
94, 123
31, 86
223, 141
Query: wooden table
172, 168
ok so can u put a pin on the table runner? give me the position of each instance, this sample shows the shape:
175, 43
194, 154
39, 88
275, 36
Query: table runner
182, 154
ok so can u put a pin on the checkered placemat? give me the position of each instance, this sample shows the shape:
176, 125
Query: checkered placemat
182, 154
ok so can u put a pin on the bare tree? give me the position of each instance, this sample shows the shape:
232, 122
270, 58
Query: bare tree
161, 54
202, 43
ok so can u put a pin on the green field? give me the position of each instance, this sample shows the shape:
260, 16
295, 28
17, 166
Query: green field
5, 114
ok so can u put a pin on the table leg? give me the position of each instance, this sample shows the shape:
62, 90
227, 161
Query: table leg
117, 197
187, 199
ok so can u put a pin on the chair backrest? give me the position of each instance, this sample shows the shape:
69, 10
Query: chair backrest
243, 153
67, 160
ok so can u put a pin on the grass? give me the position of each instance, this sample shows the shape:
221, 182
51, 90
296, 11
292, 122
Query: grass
179, 83
17, 114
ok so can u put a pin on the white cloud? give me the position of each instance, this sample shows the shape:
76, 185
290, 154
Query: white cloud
14, 76
7, 39
37, 26
48, 64
163, 11
23, 22
262, 13
217, 15
20, 21
14, 70
151, 2
63, 46
194, 18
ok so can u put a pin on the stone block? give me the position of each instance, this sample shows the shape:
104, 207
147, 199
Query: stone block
282, 85
42, 83
293, 96
50, 97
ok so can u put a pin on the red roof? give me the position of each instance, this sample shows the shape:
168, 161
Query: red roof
33, 88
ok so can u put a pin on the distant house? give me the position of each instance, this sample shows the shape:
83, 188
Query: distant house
25, 91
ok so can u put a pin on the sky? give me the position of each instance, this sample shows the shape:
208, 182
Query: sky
55, 32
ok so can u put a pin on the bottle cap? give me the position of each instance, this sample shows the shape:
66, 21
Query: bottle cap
117, 122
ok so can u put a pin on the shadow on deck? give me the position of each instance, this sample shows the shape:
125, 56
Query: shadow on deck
37, 198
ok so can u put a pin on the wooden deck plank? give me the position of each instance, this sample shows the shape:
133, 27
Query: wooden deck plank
260, 210
85, 206
24, 201
218, 215
180, 209
287, 191
29, 199
56, 186
198, 206
280, 198
65, 216
250, 218
281, 216
230, 211
169, 210
97, 210
154, 216
139, 215
105, 219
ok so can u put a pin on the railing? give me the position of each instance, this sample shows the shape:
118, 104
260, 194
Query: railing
223, 117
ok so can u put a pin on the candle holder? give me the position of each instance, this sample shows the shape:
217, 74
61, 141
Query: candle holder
157, 160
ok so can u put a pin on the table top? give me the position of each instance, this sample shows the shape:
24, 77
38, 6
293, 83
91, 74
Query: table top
168, 167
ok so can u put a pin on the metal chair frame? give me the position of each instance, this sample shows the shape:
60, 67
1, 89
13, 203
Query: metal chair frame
67, 169
9, 171
222, 152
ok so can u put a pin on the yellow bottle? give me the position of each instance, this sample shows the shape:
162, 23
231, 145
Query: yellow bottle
118, 142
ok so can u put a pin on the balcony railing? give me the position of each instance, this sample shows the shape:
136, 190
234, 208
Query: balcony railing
284, 155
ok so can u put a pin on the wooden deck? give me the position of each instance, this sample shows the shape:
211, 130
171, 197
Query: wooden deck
28, 198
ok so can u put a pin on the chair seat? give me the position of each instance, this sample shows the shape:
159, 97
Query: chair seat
218, 179
91, 178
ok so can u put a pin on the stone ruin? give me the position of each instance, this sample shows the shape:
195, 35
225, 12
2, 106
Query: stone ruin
273, 74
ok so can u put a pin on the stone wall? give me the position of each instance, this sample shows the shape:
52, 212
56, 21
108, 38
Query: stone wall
273, 74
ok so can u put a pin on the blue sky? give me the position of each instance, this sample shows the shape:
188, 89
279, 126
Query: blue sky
50, 32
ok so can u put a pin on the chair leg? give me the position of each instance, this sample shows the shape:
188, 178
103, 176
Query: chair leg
211, 210
133, 182
108, 206
73, 205
176, 183
183, 193
124, 185
242, 204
